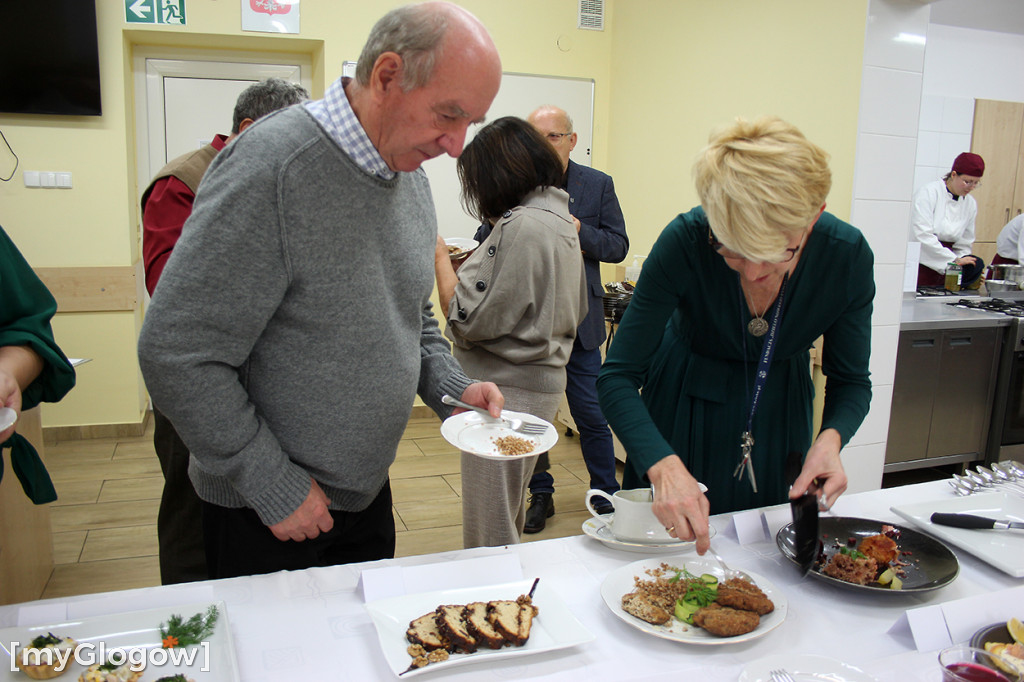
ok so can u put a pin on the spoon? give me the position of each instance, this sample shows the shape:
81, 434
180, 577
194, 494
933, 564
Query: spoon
958, 488
7, 418
999, 478
966, 483
1014, 467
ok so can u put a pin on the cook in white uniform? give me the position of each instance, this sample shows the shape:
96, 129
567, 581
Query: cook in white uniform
1009, 243
942, 219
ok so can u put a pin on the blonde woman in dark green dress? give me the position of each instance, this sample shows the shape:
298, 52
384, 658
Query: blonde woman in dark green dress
708, 377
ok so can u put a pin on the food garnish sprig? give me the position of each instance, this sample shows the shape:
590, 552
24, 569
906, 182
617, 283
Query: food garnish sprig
192, 631
701, 591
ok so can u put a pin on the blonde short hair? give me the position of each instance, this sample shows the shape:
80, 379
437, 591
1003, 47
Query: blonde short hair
759, 181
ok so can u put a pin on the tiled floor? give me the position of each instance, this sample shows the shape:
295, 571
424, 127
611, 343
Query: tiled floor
104, 522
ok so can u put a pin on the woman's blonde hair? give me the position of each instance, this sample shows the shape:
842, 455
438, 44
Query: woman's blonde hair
759, 181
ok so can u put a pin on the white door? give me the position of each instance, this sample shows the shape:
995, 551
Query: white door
181, 104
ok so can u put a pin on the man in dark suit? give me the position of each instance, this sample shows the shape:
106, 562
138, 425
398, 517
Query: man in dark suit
602, 231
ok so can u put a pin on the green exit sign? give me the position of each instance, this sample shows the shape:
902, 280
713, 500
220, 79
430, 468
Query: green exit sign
170, 12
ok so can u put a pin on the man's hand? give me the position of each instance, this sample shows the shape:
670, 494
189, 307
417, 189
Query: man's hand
483, 394
308, 521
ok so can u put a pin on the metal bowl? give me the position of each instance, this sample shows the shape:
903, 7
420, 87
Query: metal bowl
1006, 271
997, 285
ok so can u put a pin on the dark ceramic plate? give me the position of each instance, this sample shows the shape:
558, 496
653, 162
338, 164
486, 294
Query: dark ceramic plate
931, 564
996, 632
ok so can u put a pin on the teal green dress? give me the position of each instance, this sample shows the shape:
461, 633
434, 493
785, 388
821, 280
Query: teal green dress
25, 313
679, 374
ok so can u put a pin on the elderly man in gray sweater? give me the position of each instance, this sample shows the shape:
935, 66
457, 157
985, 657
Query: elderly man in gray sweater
292, 327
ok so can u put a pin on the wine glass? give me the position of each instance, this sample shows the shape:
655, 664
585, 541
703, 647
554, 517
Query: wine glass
962, 663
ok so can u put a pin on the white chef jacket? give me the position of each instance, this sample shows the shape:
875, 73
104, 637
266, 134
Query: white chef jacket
935, 217
1009, 243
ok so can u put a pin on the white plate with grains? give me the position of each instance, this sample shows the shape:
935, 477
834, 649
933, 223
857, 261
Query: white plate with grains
490, 438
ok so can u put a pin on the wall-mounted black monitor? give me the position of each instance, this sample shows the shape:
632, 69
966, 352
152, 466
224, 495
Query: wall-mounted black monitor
49, 57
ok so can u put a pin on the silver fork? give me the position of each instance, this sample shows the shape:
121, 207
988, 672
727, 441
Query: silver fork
730, 573
780, 676
529, 428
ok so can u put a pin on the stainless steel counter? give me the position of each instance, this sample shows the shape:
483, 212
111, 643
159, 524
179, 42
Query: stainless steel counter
929, 313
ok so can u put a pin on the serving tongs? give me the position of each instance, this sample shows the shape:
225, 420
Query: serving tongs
805, 528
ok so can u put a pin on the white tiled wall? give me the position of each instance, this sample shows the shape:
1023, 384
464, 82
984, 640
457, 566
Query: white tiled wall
944, 130
894, 47
903, 82
962, 65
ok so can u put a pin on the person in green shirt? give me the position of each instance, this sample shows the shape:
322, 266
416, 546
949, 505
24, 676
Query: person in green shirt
759, 265
33, 368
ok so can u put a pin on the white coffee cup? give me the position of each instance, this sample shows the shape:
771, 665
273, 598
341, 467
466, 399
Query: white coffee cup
634, 519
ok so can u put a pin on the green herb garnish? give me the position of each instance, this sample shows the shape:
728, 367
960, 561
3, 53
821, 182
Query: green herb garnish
45, 640
192, 631
849, 551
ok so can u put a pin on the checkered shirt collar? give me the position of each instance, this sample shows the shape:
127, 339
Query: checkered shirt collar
335, 114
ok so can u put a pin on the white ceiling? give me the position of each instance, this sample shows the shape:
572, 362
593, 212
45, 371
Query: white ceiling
1005, 16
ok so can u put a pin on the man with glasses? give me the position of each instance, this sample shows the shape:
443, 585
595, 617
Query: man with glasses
602, 232
942, 220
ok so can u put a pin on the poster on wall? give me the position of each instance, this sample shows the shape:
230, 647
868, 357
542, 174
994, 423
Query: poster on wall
270, 16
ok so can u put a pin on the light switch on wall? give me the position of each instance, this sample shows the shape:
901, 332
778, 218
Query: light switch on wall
47, 179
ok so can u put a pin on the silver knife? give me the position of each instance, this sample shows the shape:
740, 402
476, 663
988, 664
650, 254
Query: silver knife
974, 522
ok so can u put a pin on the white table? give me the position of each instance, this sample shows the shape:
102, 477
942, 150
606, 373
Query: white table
311, 625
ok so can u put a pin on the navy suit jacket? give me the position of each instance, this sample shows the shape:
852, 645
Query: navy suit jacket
603, 238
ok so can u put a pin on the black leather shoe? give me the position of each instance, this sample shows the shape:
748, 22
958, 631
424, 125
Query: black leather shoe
542, 508
601, 505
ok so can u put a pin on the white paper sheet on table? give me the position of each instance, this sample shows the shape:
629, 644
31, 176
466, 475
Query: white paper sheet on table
112, 603
939, 625
395, 581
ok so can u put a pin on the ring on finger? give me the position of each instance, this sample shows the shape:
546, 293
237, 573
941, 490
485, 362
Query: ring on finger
670, 529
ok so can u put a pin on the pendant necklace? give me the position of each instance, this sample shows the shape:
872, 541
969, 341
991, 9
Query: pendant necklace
758, 326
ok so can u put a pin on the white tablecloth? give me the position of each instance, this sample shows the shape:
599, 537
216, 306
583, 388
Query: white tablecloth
311, 625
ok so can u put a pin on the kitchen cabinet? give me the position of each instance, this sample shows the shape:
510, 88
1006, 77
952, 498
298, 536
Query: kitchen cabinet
998, 136
942, 396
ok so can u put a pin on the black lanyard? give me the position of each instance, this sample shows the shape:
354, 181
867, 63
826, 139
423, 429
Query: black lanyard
760, 378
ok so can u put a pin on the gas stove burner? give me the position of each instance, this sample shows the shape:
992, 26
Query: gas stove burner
995, 305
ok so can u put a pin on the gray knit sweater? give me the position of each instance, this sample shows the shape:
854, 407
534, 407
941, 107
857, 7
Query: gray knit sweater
292, 328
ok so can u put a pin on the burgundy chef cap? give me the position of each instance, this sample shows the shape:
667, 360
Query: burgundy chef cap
969, 164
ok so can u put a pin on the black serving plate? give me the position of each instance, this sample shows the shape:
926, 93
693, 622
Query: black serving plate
996, 632
931, 564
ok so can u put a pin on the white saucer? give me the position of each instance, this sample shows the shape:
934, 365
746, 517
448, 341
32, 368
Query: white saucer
593, 527
804, 668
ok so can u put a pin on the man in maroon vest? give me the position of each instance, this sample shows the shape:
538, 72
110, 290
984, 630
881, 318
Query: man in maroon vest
166, 205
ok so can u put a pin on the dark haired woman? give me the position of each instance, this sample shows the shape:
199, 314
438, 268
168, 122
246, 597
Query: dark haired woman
514, 305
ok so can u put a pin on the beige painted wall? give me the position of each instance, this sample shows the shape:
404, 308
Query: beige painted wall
677, 68
681, 69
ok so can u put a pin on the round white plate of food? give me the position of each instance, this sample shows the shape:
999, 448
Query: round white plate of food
622, 581
490, 438
595, 528
803, 668
460, 247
